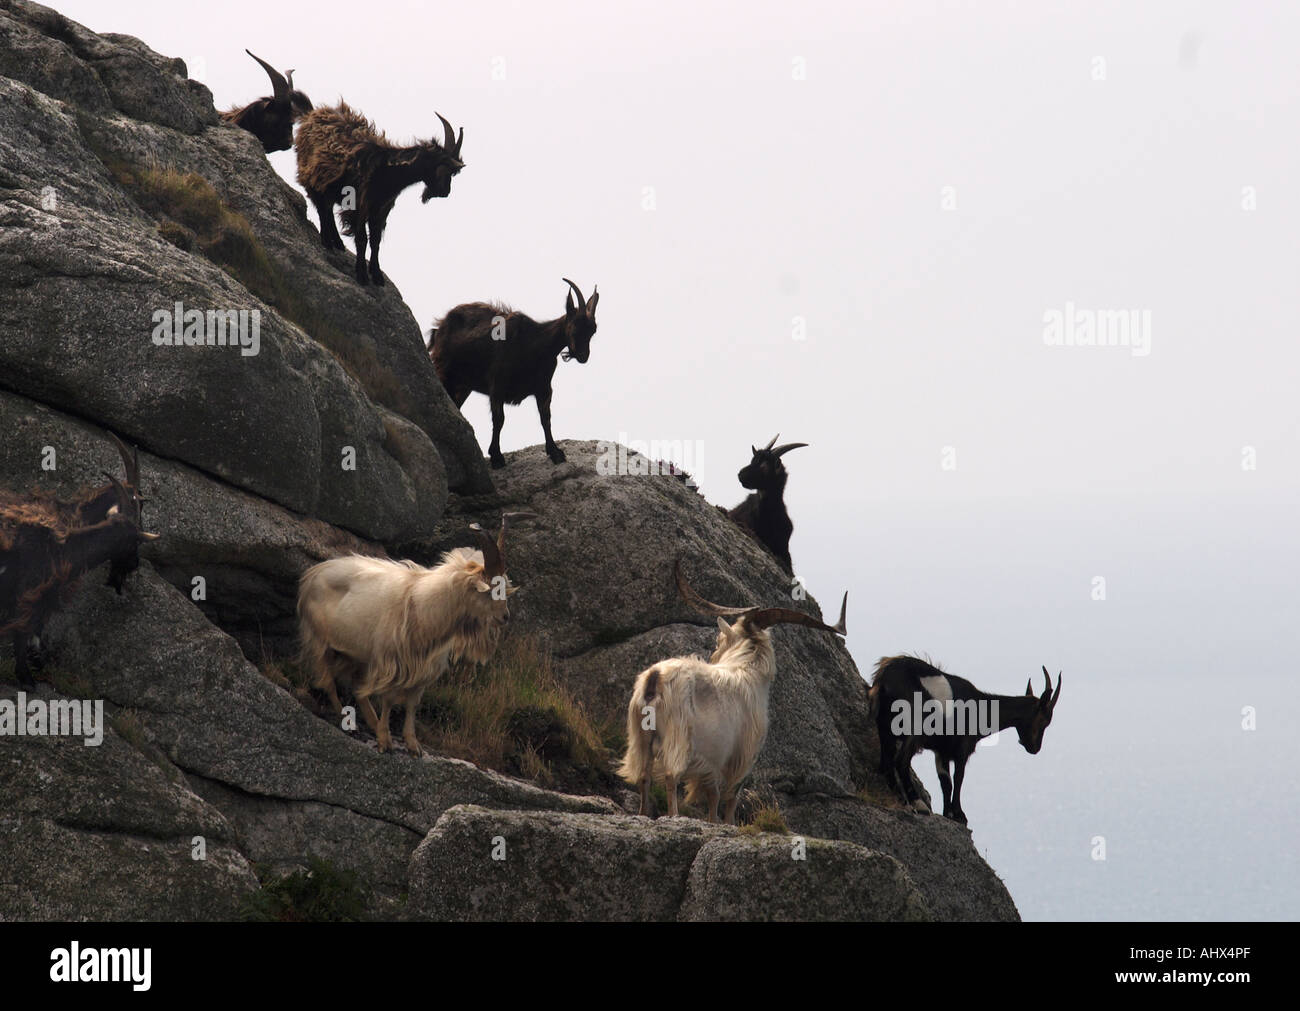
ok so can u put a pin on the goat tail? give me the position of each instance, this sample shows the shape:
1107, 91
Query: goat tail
642, 716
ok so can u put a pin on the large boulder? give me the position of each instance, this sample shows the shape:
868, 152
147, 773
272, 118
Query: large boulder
120, 843
479, 864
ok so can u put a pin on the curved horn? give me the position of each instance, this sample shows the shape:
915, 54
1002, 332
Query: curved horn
506, 520
1057, 694
699, 603
595, 297
1047, 680
130, 463
772, 443
769, 616
493, 564
280, 86
582, 302
448, 134
782, 450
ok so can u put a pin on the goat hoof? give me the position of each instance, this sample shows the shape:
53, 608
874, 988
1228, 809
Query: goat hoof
498, 461
377, 279
556, 455
384, 744
414, 748
362, 279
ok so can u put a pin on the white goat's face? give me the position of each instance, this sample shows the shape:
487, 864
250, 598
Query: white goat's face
492, 600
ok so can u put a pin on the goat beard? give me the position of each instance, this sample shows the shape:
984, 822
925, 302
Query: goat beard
427, 195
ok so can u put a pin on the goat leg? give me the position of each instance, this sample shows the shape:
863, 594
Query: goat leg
945, 783
359, 237
329, 233
408, 726
959, 773
544, 412
670, 785
498, 420
376, 231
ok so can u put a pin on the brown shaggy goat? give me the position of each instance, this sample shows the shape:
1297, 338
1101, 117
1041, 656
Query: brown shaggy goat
343, 159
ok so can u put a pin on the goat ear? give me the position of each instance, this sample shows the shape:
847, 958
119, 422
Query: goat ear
482, 586
591, 302
1029, 689
568, 304
723, 627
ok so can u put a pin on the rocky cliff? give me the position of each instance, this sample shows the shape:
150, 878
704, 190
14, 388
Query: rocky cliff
121, 194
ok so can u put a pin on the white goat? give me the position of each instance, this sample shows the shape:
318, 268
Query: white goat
392, 628
705, 722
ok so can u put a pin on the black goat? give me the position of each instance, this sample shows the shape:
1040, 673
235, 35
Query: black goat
509, 357
271, 119
343, 159
47, 546
762, 515
919, 707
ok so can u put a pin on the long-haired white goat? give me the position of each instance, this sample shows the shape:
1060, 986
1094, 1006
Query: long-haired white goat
390, 628
705, 722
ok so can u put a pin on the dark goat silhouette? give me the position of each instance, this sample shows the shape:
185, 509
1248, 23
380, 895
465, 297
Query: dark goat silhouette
343, 159
509, 357
271, 119
46, 547
958, 716
763, 515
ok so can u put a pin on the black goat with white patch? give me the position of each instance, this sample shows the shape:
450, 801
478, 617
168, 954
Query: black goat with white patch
919, 707
763, 515
508, 356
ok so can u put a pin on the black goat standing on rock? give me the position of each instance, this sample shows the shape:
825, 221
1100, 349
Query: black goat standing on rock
960, 717
509, 357
763, 515
271, 119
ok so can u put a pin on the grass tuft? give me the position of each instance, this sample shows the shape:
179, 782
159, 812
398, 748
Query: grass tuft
322, 893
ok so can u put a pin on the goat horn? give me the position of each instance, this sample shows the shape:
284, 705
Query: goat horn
1057, 694
149, 537
582, 302
130, 465
698, 602
773, 442
768, 616
448, 135
782, 450
493, 564
279, 85
1047, 679
506, 520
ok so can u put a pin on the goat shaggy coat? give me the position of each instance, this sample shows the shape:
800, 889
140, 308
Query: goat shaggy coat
392, 628
709, 719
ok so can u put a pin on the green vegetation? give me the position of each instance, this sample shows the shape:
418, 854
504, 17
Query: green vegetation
514, 715
765, 816
322, 893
